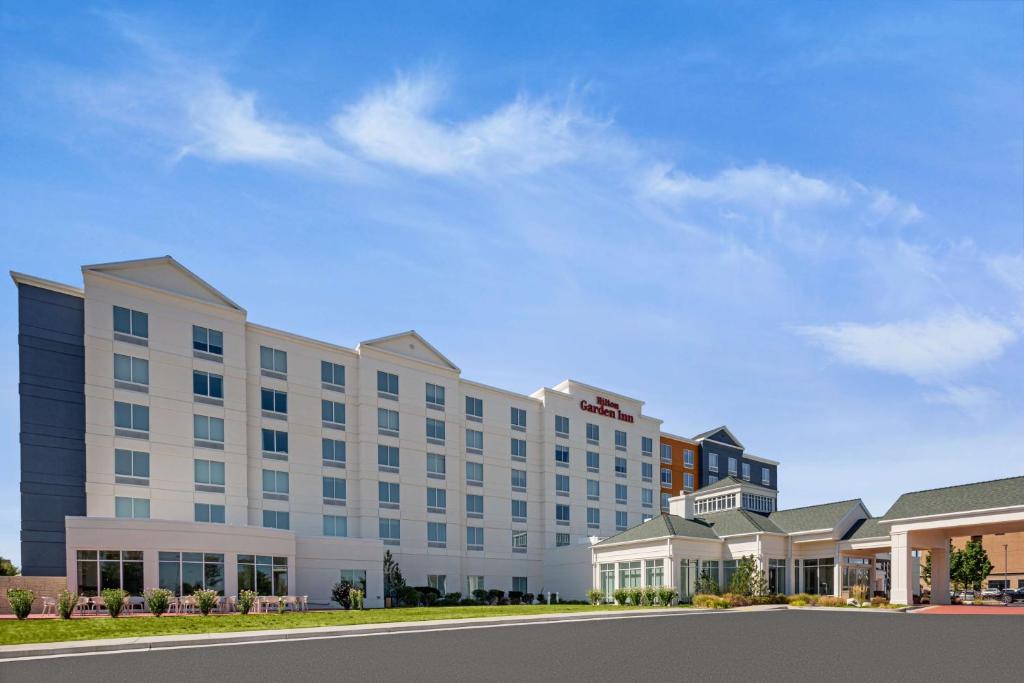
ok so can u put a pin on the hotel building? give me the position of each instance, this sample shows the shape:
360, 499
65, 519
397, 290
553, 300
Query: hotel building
168, 441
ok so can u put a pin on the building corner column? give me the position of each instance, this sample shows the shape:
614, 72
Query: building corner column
901, 569
940, 575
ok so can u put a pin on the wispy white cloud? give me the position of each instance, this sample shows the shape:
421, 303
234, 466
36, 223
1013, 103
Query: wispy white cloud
1008, 269
931, 349
395, 125
763, 185
964, 397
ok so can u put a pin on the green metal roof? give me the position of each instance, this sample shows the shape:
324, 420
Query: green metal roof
661, 526
735, 522
982, 495
867, 528
812, 517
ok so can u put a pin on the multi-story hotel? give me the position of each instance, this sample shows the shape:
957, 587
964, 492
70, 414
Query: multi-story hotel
168, 441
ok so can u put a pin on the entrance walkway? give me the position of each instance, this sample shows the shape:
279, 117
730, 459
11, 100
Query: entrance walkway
1016, 610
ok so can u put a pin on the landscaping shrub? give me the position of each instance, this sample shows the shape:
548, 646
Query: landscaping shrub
66, 601
798, 603
341, 593
21, 601
158, 600
541, 599
737, 600
666, 595
706, 585
494, 596
480, 595
246, 599
710, 601
595, 596
528, 598
801, 597
620, 595
830, 601
636, 595
357, 598
468, 602
879, 601
113, 598
859, 593
648, 596
453, 597
206, 599
515, 597
409, 596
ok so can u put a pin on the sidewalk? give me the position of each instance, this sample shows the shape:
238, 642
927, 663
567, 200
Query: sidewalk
145, 643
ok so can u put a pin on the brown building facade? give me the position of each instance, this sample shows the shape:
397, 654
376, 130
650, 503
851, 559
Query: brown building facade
679, 466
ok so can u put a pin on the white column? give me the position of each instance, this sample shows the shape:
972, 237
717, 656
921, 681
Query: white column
940, 575
902, 592
790, 569
837, 574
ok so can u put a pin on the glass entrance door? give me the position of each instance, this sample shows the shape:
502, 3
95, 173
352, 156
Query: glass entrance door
687, 580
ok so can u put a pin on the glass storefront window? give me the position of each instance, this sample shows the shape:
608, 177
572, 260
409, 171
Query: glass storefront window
185, 573
776, 576
687, 580
100, 569
607, 579
265, 574
629, 574
655, 572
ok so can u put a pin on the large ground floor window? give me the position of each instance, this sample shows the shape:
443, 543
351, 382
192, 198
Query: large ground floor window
776, 576
857, 572
818, 575
655, 572
728, 569
355, 578
687, 579
264, 574
185, 573
101, 569
606, 579
629, 574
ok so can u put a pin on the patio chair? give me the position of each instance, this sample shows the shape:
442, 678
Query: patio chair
304, 603
83, 604
187, 605
49, 605
98, 603
135, 603
231, 604
173, 606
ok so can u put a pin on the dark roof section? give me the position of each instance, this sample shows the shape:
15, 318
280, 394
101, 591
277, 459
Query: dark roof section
728, 437
867, 528
736, 522
812, 517
983, 495
728, 482
661, 526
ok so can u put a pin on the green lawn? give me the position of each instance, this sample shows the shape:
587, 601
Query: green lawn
14, 632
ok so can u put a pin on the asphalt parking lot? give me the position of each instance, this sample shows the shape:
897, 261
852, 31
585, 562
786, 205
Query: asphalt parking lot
753, 646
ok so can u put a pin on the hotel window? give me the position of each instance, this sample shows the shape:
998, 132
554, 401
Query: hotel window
562, 456
666, 453
647, 498
518, 480
390, 531
131, 416
387, 421
645, 517
132, 323
519, 584
387, 384
208, 472
629, 574
332, 374
620, 494
712, 479
518, 419
264, 574
273, 360
746, 471
207, 384
474, 505
97, 570
131, 508
438, 582
561, 485
211, 514
562, 514
593, 518
687, 457
335, 489
272, 401
335, 525
593, 461
621, 520
620, 467
474, 408
437, 535
275, 441
435, 430
435, 395
435, 466
687, 481
474, 583
647, 471
133, 464
758, 503
593, 489
620, 440
388, 495
713, 463
664, 501
130, 369
207, 340
474, 538
437, 500
332, 412
210, 429
655, 572
475, 441
334, 451
666, 478
475, 473
519, 541
593, 433
732, 467
561, 426
646, 445
561, 540
766, 476
185, 573
518, 510
276, 519
275, 483
519, 449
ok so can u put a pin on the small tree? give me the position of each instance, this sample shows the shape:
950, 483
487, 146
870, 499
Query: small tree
341, 593
66, 601
594, 596
206, 599
706, 584
158, 600
739, 584
357, 598
759, 583
970, 566
21, 601
393, 579
926, 570
246, 599
113, 598
7, 567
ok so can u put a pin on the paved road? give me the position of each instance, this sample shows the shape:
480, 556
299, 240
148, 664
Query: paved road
753, 646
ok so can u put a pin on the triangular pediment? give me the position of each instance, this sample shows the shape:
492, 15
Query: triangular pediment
166, 274
721, 435
411, 345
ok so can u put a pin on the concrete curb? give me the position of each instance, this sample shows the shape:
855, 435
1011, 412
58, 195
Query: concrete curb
145, 643
865, 610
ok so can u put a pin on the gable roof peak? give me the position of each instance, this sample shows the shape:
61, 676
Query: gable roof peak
391, 344
712, 432
146, 272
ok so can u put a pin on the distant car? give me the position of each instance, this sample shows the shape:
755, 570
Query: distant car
992, 593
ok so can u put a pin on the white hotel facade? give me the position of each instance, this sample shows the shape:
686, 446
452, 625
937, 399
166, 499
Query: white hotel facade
218, 450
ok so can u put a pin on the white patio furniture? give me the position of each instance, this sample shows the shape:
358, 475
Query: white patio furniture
49, 605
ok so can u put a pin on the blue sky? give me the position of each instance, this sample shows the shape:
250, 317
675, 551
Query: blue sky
805, 221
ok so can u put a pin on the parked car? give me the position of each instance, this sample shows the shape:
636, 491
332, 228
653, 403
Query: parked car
994, 593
